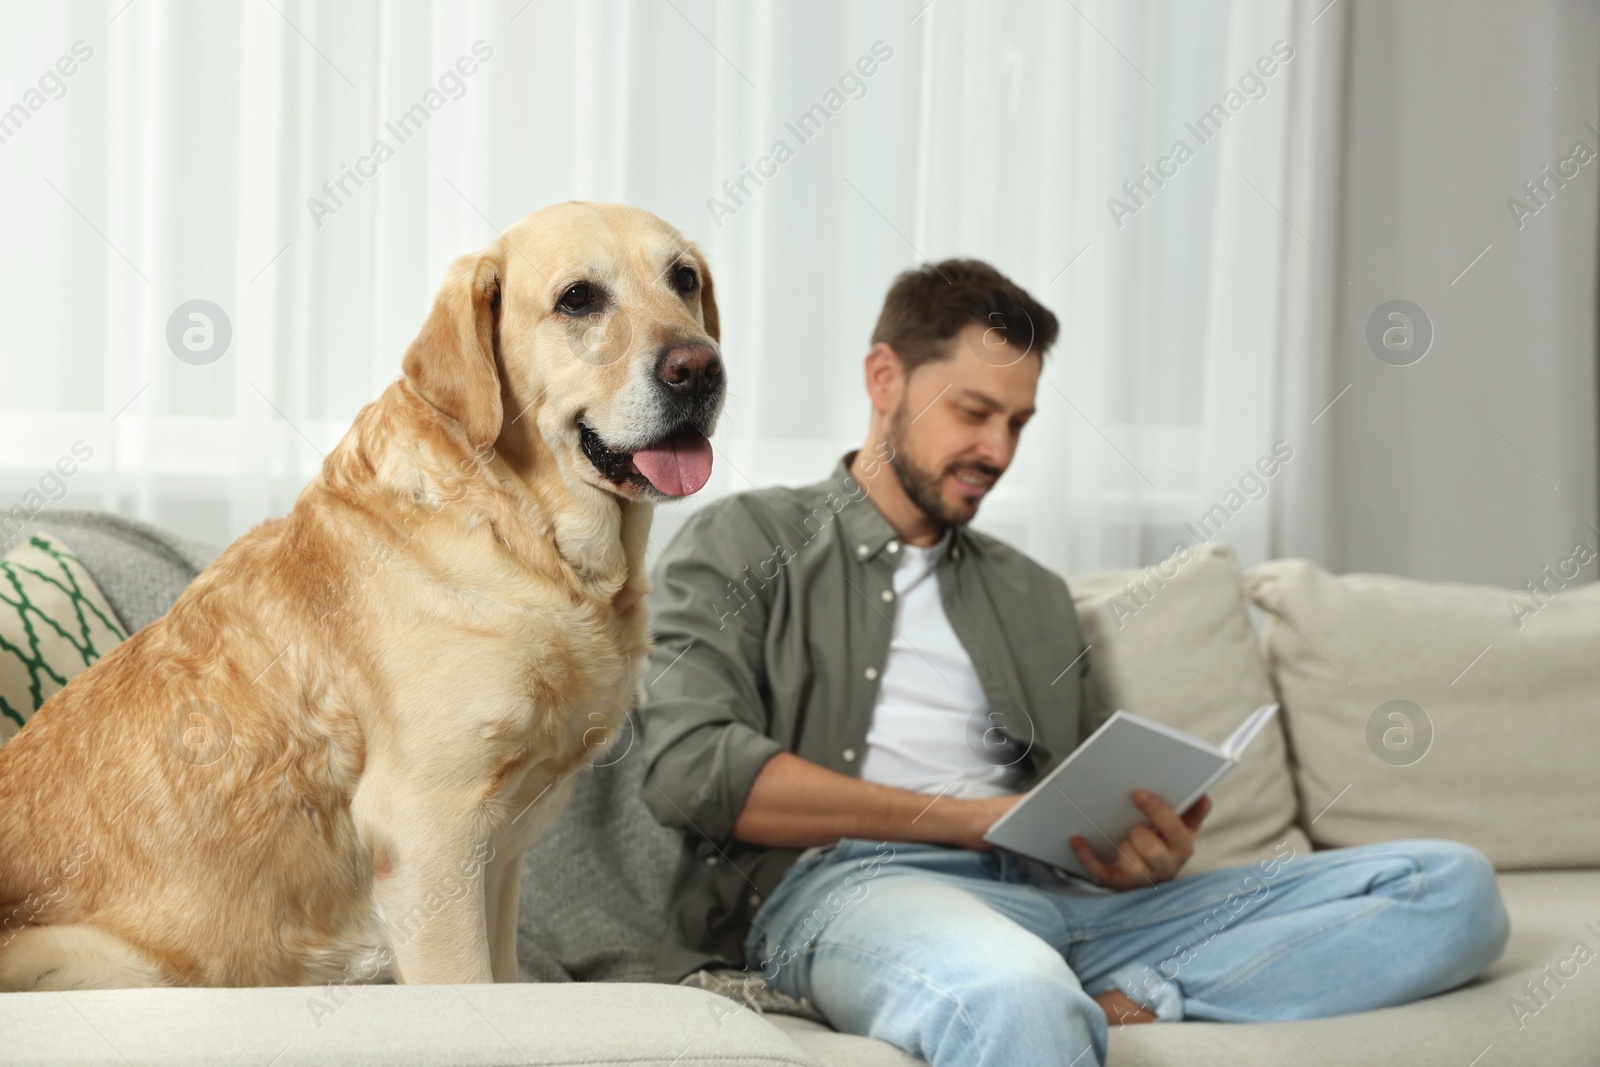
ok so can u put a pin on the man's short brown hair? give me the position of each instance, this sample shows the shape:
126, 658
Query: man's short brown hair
928, 305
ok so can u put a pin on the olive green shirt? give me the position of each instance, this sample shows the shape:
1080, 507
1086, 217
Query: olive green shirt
771, 632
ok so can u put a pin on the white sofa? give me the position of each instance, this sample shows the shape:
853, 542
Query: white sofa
1495, 747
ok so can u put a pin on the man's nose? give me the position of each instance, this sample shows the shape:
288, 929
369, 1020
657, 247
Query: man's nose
690, 371
996, 448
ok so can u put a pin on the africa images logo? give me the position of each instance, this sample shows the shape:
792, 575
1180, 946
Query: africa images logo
452, 85
1205, 128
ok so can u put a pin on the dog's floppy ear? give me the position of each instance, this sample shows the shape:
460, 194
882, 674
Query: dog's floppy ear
452, 362
708, 304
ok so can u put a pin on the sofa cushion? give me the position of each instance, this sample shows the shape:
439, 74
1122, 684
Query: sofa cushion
1174, 642
1483, 1023
1423, 709
54, 622
846, 1050
398, 1025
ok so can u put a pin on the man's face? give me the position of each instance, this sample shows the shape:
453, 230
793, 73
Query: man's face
959, 420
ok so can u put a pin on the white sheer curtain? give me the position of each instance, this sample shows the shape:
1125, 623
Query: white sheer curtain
181, 162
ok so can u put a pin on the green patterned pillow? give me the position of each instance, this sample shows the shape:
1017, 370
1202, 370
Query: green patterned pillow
54, 622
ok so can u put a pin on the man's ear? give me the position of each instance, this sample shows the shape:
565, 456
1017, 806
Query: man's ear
453, 363
708, 303
885, 377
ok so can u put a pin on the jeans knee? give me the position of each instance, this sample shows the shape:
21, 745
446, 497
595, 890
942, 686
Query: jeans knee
1461, 874
1468, 896
1021, 985
1040, 997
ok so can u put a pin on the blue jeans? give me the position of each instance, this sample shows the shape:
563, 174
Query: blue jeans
967, 958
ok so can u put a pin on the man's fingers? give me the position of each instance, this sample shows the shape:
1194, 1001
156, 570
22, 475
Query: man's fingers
1160, 860
1148, 844
1091, 862
1177, 832
1197, 813
1133, 861
1176, 839
1129, 872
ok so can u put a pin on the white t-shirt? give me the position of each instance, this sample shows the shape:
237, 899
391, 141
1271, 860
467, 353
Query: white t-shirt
930, 731
930, 727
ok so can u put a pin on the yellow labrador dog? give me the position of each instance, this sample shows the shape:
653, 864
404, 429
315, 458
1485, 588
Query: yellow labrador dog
326, 761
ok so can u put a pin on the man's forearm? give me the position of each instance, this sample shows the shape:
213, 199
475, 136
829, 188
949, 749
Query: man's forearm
794, 803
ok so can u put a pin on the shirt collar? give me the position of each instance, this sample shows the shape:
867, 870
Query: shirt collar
867, 533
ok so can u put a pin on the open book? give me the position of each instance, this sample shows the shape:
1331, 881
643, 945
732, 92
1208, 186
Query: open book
1090, 792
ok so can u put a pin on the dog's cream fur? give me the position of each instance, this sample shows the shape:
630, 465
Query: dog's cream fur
325, 763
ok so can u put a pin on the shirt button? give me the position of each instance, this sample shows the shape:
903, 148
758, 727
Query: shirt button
955, 553
755, 900
849, 755
862, 550
711, 861
887, 595
871, 673
893, 547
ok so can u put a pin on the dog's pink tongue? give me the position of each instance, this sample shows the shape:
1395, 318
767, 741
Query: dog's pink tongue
678, 466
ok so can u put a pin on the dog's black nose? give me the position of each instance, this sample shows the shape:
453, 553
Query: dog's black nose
691, 371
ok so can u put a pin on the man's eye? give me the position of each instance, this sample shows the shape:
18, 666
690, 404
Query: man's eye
576, 298
975, 416
685, 279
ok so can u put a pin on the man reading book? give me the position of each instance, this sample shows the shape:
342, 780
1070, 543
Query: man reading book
850, 685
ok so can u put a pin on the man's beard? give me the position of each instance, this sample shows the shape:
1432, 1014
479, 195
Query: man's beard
925, 487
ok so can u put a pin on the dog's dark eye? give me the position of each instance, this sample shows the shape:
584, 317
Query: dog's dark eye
576, 298
685, 279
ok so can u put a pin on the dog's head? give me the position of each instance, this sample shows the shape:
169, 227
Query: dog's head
588, 333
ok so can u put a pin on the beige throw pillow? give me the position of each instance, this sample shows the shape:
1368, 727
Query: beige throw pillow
1423, 709
1174, 643
54, 622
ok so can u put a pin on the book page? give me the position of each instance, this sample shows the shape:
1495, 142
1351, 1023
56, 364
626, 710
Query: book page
1235, 745
1176, 734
